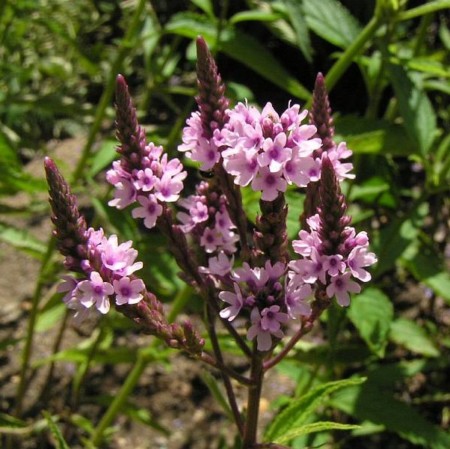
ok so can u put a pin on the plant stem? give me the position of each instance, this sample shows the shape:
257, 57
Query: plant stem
424, 9
26, 354
254, 396
210, 317
342, 64
108, 93
305, 328
121, 397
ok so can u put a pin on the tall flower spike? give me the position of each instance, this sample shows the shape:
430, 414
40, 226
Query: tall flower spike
320, 114
211, 99
129, 132
70, 226
320, 117
331, 209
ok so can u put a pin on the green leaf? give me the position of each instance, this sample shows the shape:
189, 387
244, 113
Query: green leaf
368, 136
331, 21
103, 157
416, 109
54, 429
300, 409
296, 16
410, 335
23, 240
374, 402
10, 422
205, 5
215, 390
428, 268
320, 426
372, 312
395, 238
48, 318
254, 15
241, 47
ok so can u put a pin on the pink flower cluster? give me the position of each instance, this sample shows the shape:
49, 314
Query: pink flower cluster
207, 220
335, 271
263, 149
152, 181
259, 294
108, 273
269, 151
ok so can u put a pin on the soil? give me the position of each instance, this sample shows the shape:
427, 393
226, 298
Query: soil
176, 397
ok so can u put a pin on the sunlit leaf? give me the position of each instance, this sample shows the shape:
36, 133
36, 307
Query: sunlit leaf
409, 334
372, 312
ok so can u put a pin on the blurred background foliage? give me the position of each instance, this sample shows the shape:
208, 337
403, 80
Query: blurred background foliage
387, 68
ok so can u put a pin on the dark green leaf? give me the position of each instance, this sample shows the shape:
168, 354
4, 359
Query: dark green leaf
372, 312
296, 16
418, 115
54, 429
395, 238
300, 409
374, 402
374, 136
331, 21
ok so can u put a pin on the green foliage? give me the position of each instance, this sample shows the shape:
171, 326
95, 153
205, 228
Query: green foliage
390, 80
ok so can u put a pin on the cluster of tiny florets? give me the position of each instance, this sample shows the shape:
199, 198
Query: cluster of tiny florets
338, 272
108, 273
155, 181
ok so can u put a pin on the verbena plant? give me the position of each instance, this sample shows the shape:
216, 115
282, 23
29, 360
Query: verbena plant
222, 254
403, 66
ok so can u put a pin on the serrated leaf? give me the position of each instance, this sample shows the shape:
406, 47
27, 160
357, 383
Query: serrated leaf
54, 429
331, 21
321, 426
296, 16
410, 335
300, 409
374, 402
372, 312
415, 107
23, 240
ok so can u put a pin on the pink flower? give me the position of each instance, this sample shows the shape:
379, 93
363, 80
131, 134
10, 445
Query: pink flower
235, 300
95, 291
340, 286
145, 180
219, 266
119, 258
241, 163
271, 319
124, 195
295, 299
269, 183
128, 291
168, 188
334, 264
210, 240
359, 258
275, 153
68, 287
150, 210
263, 336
